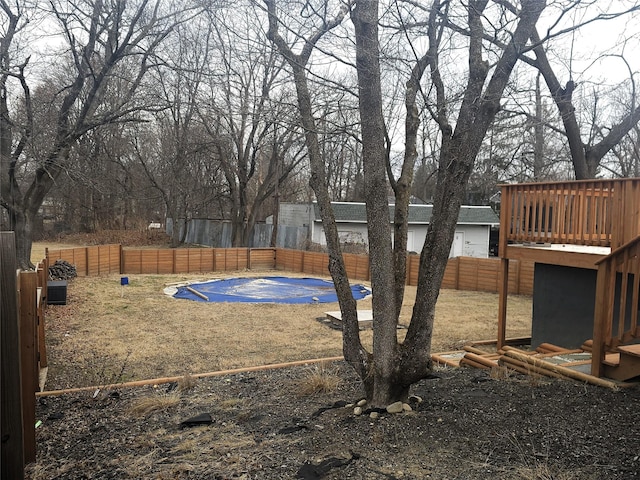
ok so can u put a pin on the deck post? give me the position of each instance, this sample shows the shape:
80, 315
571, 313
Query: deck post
503, 292
506, 206
600, 319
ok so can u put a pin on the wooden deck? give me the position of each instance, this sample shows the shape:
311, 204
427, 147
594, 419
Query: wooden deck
567, 255
593, 224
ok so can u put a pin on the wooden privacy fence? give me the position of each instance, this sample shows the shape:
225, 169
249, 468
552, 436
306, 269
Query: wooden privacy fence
483, 275
90, 261
462, 273
23, 355
190, 260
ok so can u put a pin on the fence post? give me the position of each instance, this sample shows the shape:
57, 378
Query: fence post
29, 360
12, 457
43, 277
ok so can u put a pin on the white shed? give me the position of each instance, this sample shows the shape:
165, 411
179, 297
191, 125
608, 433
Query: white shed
471, 236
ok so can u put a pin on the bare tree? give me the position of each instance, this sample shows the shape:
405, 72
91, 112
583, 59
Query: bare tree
339, 138
174, 150
627, 154
586, 154
392, 367
248, 118
99, 40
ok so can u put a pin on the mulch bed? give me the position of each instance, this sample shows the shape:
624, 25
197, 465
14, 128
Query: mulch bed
470, 425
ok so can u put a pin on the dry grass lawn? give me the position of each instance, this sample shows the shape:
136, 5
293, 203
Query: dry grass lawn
108, 334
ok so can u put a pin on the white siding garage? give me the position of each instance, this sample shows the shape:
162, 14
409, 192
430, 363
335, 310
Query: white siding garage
471, 237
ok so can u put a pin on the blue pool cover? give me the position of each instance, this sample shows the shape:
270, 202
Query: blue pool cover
267, 290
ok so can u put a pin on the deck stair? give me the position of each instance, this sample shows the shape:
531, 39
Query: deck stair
624, 364
616, 329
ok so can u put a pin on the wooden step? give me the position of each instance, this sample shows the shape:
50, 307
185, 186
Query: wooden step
633, 350
611, 359
623, 365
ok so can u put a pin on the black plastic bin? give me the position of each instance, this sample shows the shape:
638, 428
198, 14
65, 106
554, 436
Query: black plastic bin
57, 292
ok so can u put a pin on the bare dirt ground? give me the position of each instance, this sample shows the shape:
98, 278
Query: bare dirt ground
260, 426
299, 423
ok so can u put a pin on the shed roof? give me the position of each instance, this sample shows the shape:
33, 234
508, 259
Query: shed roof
351, 212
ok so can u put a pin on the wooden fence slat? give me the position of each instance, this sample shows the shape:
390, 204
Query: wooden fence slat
165, 261
12, 455
42, 270
42, 345
28, 282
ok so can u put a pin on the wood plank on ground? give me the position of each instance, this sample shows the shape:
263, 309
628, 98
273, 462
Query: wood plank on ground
365, 318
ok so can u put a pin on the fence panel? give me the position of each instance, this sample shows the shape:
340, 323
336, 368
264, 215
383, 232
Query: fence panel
200, 260
149, 261
94, 260
132, 261
357, 266
450, 279
525, 278
28, 288
42, 270
231, 259
316, 263
290, 260
164, 261
488, 275
264, 258
413, 264
75, 256
467, 274
181, 260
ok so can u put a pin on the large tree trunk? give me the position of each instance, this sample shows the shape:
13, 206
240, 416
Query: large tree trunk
22, 224
23, 209
382, 378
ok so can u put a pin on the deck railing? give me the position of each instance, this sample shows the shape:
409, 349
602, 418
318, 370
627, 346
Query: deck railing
617, 302
591, 212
